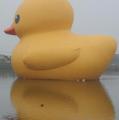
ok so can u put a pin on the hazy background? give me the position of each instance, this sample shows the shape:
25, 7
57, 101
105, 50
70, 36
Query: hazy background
91, 17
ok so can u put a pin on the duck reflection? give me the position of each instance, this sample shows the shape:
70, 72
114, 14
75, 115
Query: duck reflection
61, 100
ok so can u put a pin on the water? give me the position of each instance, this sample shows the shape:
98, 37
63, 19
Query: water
5, 101
110, 83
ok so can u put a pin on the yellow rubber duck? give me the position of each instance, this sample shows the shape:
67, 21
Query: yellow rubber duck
61, 100
49, 50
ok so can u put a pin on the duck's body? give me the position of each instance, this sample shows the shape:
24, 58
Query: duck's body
62, 55
49, 50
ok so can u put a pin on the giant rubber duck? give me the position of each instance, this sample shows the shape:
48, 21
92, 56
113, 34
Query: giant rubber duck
49, 50
61, 100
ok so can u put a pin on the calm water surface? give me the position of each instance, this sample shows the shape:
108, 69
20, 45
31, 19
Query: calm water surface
110, 83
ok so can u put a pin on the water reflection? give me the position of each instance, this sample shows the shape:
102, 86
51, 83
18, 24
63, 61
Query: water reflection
61, 100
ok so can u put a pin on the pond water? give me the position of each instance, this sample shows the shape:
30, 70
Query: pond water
109, 82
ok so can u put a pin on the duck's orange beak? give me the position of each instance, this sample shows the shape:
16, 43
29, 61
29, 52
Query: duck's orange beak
10, 30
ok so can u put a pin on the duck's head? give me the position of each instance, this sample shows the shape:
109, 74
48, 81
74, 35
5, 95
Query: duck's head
41, 16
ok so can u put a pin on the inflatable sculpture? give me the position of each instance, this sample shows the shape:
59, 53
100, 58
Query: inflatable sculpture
59, 61
49, 50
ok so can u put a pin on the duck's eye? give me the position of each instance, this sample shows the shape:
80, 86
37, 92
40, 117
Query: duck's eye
17, 19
